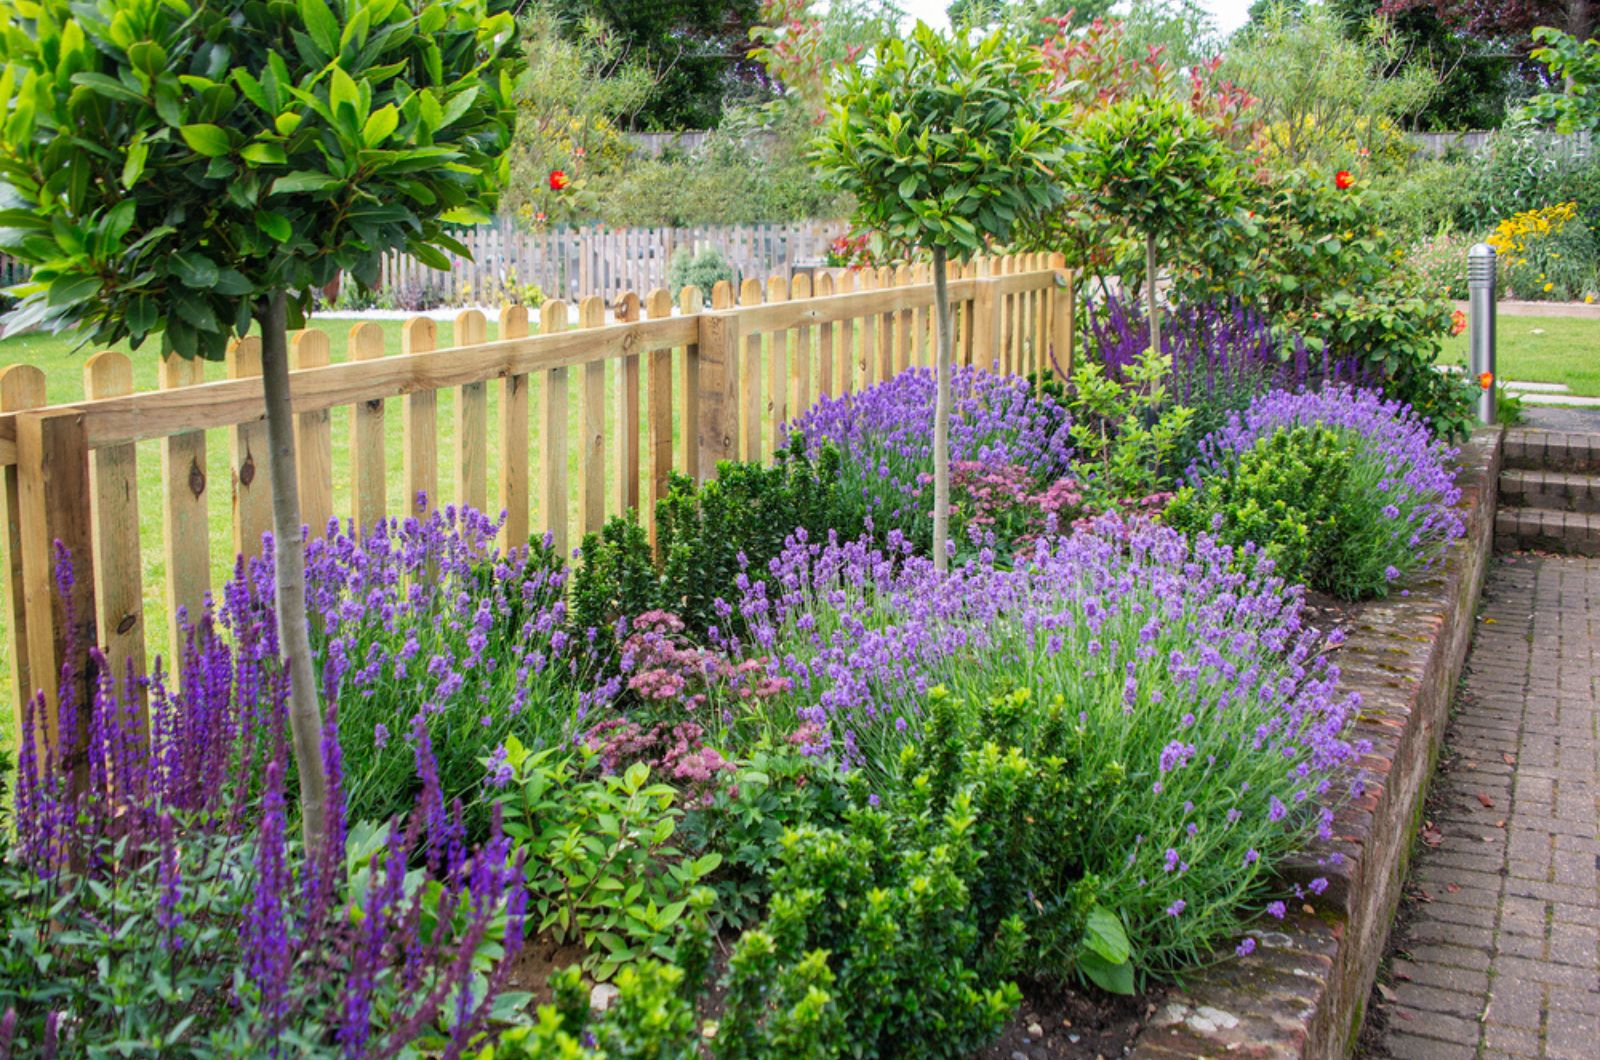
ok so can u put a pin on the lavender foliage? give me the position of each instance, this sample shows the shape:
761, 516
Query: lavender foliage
1185, 668
885, 434
1397, 505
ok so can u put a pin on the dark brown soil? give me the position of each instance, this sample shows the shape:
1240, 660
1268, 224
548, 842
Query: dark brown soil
538, 959
1072, 1024
1327, 613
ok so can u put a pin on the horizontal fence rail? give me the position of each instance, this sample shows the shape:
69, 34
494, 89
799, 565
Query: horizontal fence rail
592, 420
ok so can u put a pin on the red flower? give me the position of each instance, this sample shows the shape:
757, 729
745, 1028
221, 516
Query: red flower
558, 180
1343, 179
1458, 322
1486, 380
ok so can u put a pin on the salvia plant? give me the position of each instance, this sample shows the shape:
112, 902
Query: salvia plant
167, 904
1181, 665
1394, 505
885, 435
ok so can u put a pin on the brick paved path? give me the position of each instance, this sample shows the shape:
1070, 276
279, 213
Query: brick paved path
1505, 960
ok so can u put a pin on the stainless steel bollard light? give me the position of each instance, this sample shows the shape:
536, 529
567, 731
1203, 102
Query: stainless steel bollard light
1480, 326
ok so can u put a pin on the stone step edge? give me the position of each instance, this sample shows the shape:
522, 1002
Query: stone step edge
1573, 533
1561, 491
1537, 450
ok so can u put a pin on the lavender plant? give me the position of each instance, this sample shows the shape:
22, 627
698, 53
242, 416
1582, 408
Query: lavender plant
1389, 512
424, 619
167, 902
885, 435
1179, 665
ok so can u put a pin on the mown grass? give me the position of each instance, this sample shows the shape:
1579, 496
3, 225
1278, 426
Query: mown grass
1542, 350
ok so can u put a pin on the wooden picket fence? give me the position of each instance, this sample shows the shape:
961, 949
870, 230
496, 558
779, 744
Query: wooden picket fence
573, 262
688, 387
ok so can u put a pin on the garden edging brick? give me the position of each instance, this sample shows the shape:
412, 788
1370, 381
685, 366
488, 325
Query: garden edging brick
1304, 991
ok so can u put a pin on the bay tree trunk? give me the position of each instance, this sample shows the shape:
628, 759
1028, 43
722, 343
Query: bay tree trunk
1150, 292
941, 414
294, 636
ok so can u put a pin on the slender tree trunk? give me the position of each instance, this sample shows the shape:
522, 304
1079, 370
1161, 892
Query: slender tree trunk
294, 638
1150, 294
941, 414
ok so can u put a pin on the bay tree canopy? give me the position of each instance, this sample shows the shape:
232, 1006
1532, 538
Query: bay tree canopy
166, 164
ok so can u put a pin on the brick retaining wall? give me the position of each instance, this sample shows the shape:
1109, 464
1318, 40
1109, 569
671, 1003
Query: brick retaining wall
1304, 992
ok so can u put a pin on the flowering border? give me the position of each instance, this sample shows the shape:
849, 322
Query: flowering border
1304, 991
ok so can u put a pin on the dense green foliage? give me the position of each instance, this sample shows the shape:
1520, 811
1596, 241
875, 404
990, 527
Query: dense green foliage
240, 149
1285, 496
707, 536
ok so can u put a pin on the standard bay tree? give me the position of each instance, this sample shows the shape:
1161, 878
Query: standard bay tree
948, 144
185, 171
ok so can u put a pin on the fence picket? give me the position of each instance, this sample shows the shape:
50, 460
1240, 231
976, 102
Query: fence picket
119, 581
420, 424
553, 436
658, 412
690, 303
185, 527
313, 442
750, 377
824, 285
777, 368
21, 387
472, 420
800, 366
514, 438
367, 455
592, 422
248, 464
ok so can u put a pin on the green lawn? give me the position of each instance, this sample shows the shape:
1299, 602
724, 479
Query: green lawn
1543, 350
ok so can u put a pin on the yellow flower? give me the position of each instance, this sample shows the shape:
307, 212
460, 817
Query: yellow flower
1588, 298
1549, 287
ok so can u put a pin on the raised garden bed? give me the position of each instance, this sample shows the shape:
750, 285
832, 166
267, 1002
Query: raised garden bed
1303, 992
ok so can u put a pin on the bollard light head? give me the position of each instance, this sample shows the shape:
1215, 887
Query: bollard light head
1480, 266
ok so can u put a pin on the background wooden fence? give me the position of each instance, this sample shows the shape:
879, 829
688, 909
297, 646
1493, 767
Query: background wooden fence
592, 418
574, 262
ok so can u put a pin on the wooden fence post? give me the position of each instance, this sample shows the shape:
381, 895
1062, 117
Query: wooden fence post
658, 412
514, 438
119, 581
1063, 310
777, 370
628, 372
690, 303
53, 495
718, 387
21, 387
252, 482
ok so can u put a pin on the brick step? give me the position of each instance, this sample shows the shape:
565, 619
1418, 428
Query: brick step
1535, 450
1571, 533
1560, 491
